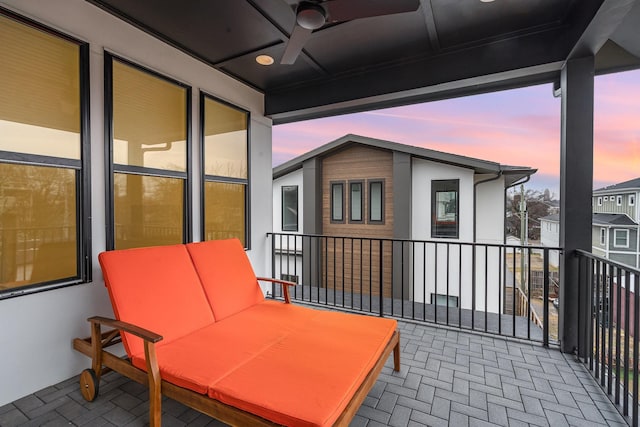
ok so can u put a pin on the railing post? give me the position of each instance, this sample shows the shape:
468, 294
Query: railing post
545, 298
381, 261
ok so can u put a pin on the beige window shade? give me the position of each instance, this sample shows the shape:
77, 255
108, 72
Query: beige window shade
225, 140
39, 92
149, 120
224, 211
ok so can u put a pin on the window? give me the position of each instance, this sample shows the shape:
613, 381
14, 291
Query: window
606, 198
632, 199
603, 236
44, 158
376, 201
147, 156
444, 300
356, 201
289, 208
618, 200
444, 208
225, 165
621, 238
337, 202
289, 278
600, 201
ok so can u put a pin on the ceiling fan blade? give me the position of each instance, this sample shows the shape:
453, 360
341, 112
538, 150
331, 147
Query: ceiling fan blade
347, 10
298, 38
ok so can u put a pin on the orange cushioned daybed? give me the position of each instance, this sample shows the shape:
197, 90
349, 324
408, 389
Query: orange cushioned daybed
197, 328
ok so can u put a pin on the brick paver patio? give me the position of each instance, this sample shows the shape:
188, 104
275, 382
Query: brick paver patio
448, 377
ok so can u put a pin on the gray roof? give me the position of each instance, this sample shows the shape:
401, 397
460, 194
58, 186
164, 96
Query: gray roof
599, 219
512, 173
627, 185
612, 219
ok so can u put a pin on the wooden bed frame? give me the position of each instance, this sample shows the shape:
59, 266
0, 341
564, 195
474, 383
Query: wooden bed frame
103, 361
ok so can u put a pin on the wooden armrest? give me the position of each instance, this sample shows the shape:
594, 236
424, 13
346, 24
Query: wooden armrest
127, 327
285, 289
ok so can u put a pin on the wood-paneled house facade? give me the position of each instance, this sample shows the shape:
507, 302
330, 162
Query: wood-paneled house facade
365, 195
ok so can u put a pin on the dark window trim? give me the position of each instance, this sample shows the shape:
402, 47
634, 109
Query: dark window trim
82, 166
231, 180
331, 185
382, 201
362, 202
111, 168
282, 188
445, 183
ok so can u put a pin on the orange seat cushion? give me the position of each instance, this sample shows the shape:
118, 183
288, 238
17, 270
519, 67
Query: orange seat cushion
205, 356
308, 377
226, 275
155, 288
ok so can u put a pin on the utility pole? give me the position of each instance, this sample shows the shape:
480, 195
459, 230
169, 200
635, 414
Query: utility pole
523, 235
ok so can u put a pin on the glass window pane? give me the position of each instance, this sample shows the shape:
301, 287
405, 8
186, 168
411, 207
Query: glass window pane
149, 120
375, 201
148, 210
38, 240
224, 211
336, 202
444, 205
225, 140
356, 201
290, 208
39, 92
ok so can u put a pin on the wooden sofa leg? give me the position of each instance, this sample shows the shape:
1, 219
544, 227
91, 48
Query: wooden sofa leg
155, 394
396, 355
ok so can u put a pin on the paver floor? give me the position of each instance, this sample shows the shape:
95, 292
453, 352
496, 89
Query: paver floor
448, 377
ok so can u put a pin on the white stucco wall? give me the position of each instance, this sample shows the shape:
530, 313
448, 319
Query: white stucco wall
37, 329
490, 209
288, 249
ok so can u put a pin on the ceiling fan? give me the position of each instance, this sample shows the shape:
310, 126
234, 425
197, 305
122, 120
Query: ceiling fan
312, 15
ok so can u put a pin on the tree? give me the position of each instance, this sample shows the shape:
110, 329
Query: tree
537, 206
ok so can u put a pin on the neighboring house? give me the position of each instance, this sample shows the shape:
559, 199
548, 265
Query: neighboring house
363, 187
616, 229
550, 236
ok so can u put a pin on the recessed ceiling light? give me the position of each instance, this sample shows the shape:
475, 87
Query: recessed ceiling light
264, 60
486, 1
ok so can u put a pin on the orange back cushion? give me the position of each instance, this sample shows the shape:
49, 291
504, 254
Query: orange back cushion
155, 288
226, 275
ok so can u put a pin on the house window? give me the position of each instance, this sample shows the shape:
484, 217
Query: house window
44, 159
376, 201
603, 236
289, 208
225, 167
618, 200
147, 117
632, 199
444, 208
356, 201
290, 278
621, 238
606, 198
444, 300
337, 202
600, 201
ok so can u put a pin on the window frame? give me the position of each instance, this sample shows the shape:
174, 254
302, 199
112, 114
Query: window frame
603, 236
615, 237
631, 199
82, 168
449, 298
618, 200
111, 169
225, 179
444, 183
362, 201
599, 200
370, 182
282, 191
333, 184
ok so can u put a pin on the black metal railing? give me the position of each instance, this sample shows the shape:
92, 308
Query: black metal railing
611, 324
499, 289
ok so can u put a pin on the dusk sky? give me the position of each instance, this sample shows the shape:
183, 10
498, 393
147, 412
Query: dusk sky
517, 127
